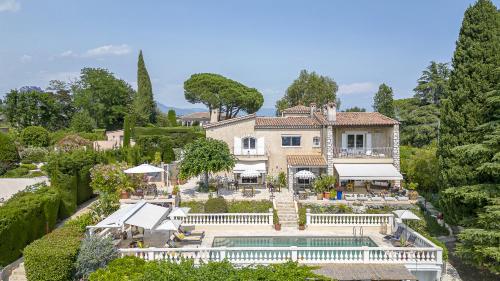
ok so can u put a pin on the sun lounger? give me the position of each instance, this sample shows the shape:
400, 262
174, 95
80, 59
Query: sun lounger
396, 235
362, 197
377, 198
194, 233
389, 198
187, 239
402, 198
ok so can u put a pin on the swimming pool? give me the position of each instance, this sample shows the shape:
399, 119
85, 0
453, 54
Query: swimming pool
287, 241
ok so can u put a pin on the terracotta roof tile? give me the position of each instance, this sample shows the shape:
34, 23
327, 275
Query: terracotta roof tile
363, 118
229, 121
306, 160
286, 122
297, 109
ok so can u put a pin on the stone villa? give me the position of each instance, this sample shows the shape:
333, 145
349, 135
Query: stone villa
356, 147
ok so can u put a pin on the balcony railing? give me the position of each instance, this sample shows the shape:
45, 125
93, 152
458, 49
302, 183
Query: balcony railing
250, 153
374, 152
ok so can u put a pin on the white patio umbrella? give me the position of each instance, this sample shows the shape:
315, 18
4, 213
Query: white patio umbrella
179, 212
143, 169
250, 174
304, 175
406, 215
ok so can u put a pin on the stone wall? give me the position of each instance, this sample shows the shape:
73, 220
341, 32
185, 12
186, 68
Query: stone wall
330, 144
395, 152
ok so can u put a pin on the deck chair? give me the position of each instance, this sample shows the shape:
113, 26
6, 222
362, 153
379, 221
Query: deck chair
396, 235
187, 239
193, 232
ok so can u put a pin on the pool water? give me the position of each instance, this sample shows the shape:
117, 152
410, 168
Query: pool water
287, 241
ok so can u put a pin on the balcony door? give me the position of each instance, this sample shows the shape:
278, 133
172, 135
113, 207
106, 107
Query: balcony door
356, 141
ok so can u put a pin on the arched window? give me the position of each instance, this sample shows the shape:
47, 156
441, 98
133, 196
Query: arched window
248, 143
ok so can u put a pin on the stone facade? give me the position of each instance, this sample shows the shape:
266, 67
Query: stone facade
329, 150
395, 152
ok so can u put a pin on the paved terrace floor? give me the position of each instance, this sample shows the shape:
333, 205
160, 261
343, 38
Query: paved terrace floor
159, 239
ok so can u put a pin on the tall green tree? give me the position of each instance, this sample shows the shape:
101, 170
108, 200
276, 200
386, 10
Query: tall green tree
218, 92
172, 118
433, 84
465, 124
105, 97
383, 102
205, 156
309, 87
144, 104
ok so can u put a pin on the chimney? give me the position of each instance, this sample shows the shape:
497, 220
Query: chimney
331, 112
313, 108
214, 115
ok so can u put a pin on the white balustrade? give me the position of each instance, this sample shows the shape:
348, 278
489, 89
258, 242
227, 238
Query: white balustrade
304, 255
229, 219
349, 219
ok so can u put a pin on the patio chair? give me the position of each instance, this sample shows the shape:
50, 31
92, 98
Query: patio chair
187, 239
396, 235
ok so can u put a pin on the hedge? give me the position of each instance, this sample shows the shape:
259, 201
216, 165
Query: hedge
25, 217
150, 145
8, 153
179, 136
70, 173
52, 258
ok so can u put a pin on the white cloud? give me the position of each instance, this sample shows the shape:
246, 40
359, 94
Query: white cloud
25, 58
357, 88
111, 50
68, 53
9, 6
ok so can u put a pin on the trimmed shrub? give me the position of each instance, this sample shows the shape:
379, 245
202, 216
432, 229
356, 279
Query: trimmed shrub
127, 268
70, 174
179, 136
8, 153
52, 258
18, 172
35, 136
34, 155
216, 205
25, 217
29, 166
95, 252
262, 206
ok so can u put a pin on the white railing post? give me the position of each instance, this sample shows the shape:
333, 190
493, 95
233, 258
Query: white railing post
222, 253
439, 256
308, 216
294, 253
271, 217
366, 254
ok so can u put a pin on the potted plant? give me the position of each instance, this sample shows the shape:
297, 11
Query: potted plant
276, 220
319, 188
328, 182
175, 190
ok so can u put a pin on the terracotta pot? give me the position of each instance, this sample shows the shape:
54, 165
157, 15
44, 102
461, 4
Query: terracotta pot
277, 227
326, 195
302, 227
124, 195
319, 196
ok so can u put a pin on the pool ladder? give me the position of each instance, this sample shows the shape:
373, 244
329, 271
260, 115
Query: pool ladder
354, 232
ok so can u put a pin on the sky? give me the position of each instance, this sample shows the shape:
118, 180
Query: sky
260, 43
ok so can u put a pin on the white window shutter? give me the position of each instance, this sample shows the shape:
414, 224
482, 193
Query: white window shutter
237, 146
344, 141
260, 146
368, 141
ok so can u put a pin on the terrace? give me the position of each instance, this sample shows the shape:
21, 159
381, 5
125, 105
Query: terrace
322, 242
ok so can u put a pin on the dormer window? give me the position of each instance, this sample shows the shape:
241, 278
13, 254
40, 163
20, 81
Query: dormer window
248, 143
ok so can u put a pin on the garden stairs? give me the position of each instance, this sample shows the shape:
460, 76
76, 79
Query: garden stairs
286, 210
18, 274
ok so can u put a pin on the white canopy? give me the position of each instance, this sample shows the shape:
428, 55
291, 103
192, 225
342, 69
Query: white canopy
304, 174
179, 212
148, 216
259, 167
406, 215
169, 225
140, 214
250, 174
143, 169
367, 172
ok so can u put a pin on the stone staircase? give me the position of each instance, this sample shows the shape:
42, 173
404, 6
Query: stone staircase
286, 212
18, 274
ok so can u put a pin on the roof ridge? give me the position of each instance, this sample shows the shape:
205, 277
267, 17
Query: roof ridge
228, 121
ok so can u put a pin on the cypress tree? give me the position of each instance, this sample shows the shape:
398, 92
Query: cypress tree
465, 122
383, 102
126, 131
172, 118
144, 104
